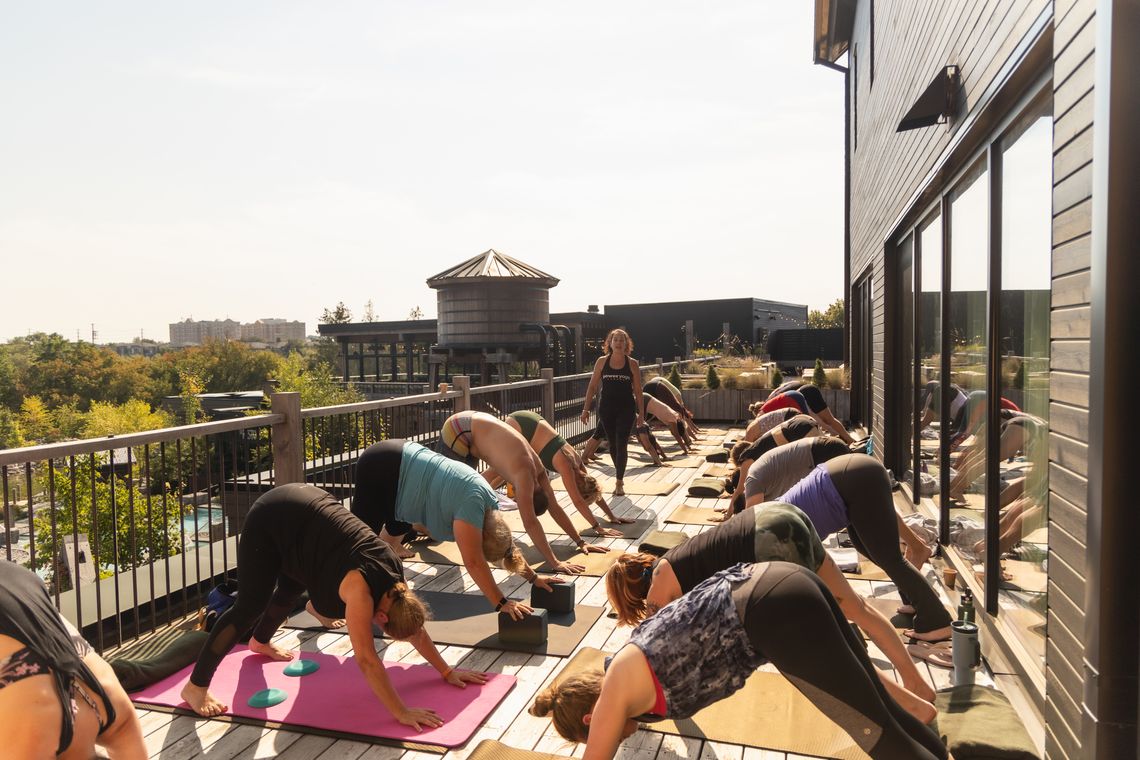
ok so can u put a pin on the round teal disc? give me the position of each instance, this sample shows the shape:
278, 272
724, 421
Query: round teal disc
299, 668
267, 698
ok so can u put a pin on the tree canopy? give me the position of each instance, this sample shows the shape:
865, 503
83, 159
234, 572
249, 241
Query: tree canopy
832, 316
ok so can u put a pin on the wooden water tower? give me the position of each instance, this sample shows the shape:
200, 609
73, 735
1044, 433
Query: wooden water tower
493, 311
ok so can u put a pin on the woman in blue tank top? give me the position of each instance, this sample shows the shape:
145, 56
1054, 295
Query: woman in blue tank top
704, 646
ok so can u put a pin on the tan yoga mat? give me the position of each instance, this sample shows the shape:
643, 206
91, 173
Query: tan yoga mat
768, 713
467, 620
489, 749
633, 530
717, 471
1023, 576
686, 515
447, 553
632, 487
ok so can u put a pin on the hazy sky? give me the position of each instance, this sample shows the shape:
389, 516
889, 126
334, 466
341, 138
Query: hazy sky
268, 159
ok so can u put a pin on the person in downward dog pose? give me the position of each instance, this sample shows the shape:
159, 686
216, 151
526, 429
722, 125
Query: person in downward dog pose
702, 648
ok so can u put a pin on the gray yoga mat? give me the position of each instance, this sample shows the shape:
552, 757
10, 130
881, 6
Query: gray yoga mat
468, 620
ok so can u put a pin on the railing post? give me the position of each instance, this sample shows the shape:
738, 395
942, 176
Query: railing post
462, 383
660, 366
288, 442
547, 374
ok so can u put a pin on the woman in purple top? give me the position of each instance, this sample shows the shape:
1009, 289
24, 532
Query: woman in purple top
854, 492
702, 648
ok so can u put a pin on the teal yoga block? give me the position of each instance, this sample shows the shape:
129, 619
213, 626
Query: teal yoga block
559, 599
530, 630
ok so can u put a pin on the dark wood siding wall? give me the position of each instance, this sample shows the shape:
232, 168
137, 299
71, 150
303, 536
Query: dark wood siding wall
914, 39
1074, 38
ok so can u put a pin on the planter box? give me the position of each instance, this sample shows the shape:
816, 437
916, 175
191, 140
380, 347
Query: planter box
731, 404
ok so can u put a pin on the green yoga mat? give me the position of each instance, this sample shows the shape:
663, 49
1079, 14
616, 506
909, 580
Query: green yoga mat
978, 723
152, 659
468, 620
768, 713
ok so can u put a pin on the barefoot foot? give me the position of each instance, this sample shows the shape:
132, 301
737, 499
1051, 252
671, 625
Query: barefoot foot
917, 555
619, 489
938, 634
327, 622
202, 701
270, 650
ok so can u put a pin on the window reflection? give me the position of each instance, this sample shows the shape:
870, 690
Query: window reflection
965, 429
930, 354
1024, 351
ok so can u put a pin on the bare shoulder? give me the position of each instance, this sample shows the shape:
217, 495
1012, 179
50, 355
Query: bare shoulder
632, 362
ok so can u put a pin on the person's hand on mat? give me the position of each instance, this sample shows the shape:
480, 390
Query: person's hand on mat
420, 718
517, 610
603, 531
587, 548
615, 520
544, 583
461, 678
570, 568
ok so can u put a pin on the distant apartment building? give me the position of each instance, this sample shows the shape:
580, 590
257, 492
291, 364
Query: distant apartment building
192, 333
270, 331
273, 331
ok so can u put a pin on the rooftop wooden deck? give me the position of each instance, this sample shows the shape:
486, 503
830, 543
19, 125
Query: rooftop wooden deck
173, 737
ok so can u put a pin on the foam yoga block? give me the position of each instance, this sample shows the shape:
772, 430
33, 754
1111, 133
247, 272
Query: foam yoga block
660, 541
530, 630
559, 599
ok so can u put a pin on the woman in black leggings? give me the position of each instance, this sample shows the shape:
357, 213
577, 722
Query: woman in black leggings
298, 537
704, 646
621, 404
854, 492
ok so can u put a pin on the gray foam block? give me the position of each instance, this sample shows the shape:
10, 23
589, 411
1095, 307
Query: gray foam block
530, 630
559, 599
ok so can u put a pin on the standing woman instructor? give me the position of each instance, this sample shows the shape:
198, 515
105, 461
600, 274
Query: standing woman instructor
619, 378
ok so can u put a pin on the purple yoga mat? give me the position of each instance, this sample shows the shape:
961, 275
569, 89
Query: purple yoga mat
337, 698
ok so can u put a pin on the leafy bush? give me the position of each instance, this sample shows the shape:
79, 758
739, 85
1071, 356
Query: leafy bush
777, 377
675, 377
712, 379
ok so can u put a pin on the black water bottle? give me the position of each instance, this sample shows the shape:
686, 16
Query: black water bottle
966, 607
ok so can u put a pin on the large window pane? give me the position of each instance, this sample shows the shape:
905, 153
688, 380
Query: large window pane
930, 352
965, 428
905, 346
1024, 328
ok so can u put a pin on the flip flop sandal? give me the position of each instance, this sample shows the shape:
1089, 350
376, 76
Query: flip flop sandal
933, 656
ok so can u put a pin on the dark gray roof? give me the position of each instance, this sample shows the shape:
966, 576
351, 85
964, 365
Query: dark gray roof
491, 264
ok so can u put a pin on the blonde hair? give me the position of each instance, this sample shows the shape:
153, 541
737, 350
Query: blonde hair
627, 585
568, 702
610, 337
755, 407
589, 488
407, 614
499, 545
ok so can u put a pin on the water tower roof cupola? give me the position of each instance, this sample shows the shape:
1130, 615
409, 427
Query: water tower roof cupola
492, 265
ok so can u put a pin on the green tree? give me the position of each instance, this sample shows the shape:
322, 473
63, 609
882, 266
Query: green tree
314, 383
338, 315
9, 395
36, 422
777, 377
125, 526
818, 376
832, 316
335, 434
712, 379
11, 434
132, 417
675, 376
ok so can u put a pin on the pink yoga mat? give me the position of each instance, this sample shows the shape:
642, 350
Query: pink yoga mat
337, 698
